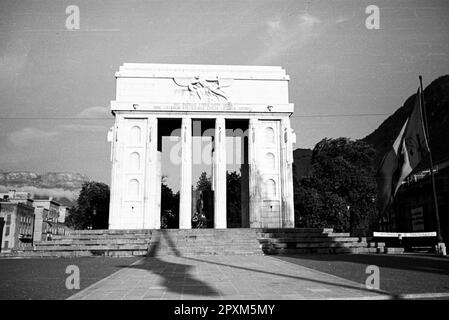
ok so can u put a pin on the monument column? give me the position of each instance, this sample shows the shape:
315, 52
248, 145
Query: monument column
152, 194
185, 201
254, 179
220, 174
114, 212
288, 212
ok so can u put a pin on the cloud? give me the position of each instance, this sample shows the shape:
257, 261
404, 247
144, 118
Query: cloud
94, 112
14, 56
83, 127
49, 192
283, 35
308, 21
26, 136
342, 19
89, 113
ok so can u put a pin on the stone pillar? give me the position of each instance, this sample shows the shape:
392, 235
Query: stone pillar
152, 192
114, 203
254, 179
288, 212
117, 151
220, 174
185, 202
244, 194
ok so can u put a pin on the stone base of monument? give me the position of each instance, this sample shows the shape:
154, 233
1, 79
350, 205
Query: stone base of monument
191, 242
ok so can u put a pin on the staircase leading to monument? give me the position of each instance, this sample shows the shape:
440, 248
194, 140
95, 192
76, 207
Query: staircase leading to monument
204, 241
190, 242
116, 243
314, 241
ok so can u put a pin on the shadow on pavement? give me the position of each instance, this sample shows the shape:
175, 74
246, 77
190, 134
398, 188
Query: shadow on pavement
176, 276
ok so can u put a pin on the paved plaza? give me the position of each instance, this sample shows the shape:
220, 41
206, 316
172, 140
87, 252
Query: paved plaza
252, 277
223, 277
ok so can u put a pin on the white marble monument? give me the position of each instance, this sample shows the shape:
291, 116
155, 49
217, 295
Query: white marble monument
147, 93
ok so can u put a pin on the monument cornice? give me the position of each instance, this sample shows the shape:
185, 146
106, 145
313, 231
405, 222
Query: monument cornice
201, 107
169, 75
169, 71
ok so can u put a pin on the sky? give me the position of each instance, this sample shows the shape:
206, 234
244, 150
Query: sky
345, 78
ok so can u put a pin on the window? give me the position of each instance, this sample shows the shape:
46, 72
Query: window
8, 219
134, 161
133, 188
270, 186
269, 135
7, 231
270, 162
135, 135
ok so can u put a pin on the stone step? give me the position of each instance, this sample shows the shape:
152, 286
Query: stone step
242, 231
107, 232
376, 244
393, 250
91, 242
206, 251
104, 236
210, 248
204, 235
110, 247
204, 242
317, 245
315, 239
323, 251
294, 230
72, 254
302, 235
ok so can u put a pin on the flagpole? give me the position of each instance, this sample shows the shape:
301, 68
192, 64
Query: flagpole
441, 249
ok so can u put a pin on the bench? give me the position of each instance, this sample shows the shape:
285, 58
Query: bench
409, 240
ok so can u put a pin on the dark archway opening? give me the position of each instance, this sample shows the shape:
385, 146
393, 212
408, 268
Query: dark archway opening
168, 143
237, 173
203, 133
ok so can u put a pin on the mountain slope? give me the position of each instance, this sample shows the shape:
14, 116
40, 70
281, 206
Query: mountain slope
62, 186
436, 96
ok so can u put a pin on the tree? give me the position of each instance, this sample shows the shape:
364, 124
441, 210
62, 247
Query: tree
169, 206
204, 183
341, 191
92, 207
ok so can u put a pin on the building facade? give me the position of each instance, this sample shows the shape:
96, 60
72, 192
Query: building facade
48, 220
151, 98
17, 220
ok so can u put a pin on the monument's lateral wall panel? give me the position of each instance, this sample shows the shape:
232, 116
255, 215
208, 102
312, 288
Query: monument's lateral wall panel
148, 92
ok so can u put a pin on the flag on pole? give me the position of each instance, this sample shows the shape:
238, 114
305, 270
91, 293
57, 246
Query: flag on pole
409, 148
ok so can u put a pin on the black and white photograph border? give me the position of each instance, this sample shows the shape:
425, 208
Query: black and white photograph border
253, 151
